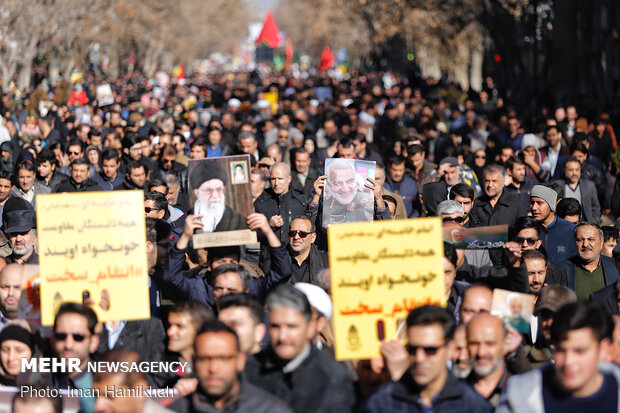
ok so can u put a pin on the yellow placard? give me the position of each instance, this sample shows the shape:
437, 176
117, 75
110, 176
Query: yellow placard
272, 98
94, 244
380, 271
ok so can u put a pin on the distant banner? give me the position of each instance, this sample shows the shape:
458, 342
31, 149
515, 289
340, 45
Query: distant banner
104, 95
93, 245
475, 238
272, 98
380, 271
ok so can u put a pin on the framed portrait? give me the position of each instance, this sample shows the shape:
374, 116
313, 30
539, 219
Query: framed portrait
219, 190
345, 197
239, 173
515, 309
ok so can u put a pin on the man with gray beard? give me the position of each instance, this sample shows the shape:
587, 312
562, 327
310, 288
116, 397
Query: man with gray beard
486, 343
345, 202
461, 363
208, 181
18, 223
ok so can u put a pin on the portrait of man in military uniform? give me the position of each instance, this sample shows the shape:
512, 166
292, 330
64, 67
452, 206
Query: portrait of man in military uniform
345, 199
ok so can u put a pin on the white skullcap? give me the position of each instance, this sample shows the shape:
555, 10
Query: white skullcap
317, 297
234, 103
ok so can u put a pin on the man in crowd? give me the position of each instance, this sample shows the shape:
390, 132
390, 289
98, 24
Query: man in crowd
135, 177
74, 337
244, 314
589, 271
47, 174
219, 364
307, 260
279, 203
121, 391
486, 343
577, 380
307, 379
556, 233
79, 181
581, 189
26, 187
18, 223
303, 176
109, 177
184, 321
400, 183
428, 385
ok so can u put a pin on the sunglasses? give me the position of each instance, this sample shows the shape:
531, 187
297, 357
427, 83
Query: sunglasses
428, 350
528, 240
149, 209
458, 220
302, 234
63, 336
74, 153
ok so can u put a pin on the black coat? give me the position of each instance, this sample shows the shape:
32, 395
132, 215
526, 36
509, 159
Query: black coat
71, 186
251, 399
289, 206
319, 384
607, 298
316, 261
306, 189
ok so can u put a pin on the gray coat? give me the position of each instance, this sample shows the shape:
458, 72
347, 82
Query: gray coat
589, 201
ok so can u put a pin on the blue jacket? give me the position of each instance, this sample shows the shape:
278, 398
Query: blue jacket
558, 240
403, 397
198, 289
105, 183
408, 190
569, 267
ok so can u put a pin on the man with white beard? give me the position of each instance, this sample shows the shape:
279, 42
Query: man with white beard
208, 181
345, 202
18, 223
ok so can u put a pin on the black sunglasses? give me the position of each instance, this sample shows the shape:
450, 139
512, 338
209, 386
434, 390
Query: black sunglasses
63, 336
530, 241
458, 220
302, 234
428, 350
149, 209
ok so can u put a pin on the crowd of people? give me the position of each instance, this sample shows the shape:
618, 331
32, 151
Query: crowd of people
254, 322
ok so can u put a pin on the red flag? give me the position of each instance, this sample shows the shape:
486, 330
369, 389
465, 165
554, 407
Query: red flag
289, 54
270, 35
327, 59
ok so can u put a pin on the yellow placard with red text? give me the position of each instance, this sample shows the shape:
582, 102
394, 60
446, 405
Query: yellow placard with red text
93, 245
380, 271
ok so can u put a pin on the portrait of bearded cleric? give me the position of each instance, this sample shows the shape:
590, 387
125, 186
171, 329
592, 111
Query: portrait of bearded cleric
224, 203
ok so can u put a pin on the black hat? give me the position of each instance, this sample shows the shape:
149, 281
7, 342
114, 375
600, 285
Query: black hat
205, 171
18, 333
17, 216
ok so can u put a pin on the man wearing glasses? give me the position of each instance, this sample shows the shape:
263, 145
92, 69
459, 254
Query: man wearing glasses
428, 385
307, 260
219, 364
208, 181
74, 337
